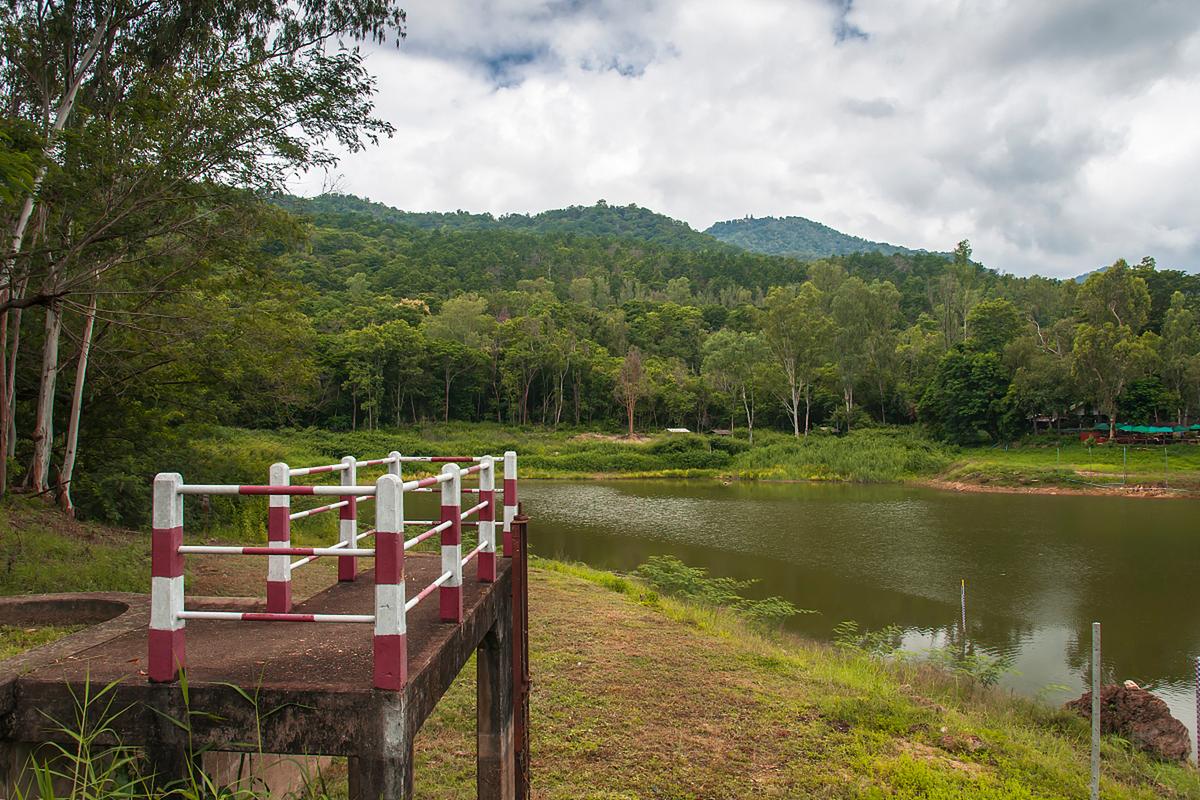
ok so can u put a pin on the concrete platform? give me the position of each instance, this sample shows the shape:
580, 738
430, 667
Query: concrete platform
310, 683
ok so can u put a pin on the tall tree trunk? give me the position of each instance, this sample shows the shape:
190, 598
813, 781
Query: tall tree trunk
43, 429
3, 398
62, 113
11, 411
68, 465
807, 409
446, 405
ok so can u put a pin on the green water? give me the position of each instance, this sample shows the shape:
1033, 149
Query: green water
1039, 569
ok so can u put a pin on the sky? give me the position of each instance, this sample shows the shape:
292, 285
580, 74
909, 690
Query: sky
1056, 136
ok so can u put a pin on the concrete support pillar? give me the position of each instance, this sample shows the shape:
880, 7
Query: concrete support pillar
382, 777
496, 767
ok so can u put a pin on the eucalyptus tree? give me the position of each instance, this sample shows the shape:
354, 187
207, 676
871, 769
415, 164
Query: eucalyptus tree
797, 331
152, 122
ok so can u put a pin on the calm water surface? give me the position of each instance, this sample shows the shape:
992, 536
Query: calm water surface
1039, 569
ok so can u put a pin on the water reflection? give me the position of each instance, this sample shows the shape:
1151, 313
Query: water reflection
1039, 569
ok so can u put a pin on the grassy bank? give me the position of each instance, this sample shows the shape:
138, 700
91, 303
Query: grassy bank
1068, 464
641, 695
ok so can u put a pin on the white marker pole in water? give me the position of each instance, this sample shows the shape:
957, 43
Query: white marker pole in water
1095, 711
962, 602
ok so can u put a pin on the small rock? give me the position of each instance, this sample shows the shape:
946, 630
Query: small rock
1136, 714
961, 743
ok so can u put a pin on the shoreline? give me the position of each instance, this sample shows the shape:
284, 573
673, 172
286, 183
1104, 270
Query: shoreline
1141, 491
1131, 490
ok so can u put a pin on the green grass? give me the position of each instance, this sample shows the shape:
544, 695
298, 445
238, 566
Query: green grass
41, 551
15, 640
637, 694
1071, 464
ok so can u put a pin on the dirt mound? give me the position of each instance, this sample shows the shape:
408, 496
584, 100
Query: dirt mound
1134, 713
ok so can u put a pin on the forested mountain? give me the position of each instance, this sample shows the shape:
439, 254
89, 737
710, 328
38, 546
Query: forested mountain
624, 222
796, 236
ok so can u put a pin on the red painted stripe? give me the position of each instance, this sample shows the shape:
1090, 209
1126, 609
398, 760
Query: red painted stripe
450, 604
453, 534
315, 470
510, 491
451, 459
279, 527
347, 568
167, 655
277, 551
165, 559
430, 481
389, 557
279, 596
487, 496
486, 570
416, 539
278, 490
472, 470
350, 510
508, 544
391, 662
428, 590
258, 616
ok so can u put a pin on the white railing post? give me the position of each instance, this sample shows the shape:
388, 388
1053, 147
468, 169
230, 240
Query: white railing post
348, 521
394, 466
486, 569
450, 592
167, 655
279, 534
510, 499
390, 647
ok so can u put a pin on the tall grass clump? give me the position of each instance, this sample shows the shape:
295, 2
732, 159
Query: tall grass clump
871, 455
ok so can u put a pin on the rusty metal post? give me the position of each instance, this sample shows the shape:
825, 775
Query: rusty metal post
520, 644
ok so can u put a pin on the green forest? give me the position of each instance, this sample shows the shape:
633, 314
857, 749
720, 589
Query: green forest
160, 278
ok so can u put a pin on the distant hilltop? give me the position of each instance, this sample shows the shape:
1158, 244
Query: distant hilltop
798, 237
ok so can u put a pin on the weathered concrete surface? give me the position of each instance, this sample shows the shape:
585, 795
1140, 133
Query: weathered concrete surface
311, 683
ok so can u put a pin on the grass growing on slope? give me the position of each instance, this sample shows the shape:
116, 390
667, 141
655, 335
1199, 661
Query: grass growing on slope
1072, 464
14, 640
43, 551
638, 695
870, 455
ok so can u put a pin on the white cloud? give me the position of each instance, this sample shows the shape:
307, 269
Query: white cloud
1056, 136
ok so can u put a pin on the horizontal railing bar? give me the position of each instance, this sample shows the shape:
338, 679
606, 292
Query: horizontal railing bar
472, 510
472, 554
322, 509
372, 462
469, 523
426, 489
234, 488
428, 590
432, 480
298, 471
448, 459
416, 540
219, 550
257, 616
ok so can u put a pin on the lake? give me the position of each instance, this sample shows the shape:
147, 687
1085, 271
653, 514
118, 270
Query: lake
1039, 569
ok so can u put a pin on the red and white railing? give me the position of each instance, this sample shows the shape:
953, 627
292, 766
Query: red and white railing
168, 614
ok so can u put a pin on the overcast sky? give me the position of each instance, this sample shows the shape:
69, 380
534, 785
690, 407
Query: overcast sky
1056, 135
